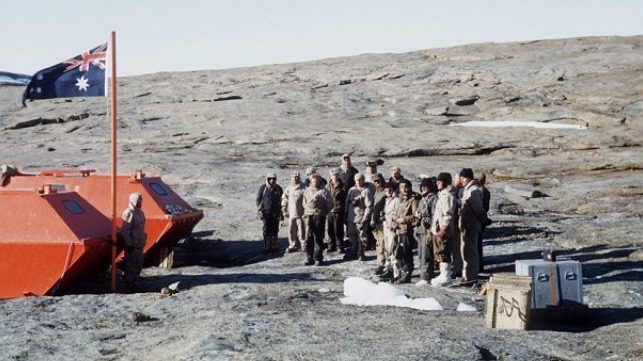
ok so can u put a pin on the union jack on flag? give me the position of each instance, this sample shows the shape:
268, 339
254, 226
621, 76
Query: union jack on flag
80, 76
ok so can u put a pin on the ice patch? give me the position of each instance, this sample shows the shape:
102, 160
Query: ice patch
466, 308
516, 123
361, 292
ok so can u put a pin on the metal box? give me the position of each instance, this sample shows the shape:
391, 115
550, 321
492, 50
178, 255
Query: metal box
558, 283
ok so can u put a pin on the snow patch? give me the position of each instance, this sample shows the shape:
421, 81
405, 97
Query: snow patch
516, 123
463, 307
361, 292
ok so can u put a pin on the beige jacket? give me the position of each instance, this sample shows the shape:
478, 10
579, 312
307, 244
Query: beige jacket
133, 228
317, 201
444, 211
472, 214
293, 200
359, 205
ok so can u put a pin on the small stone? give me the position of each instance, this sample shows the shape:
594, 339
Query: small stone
139, 317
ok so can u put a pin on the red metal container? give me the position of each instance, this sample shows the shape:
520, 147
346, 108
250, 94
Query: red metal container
49, 241
168, 217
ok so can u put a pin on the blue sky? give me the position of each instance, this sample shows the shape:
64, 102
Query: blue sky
172, 35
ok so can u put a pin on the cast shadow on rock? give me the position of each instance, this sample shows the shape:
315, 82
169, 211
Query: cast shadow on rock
187, 281
506, 234
227, 253
599, 263
579, 319
154, 284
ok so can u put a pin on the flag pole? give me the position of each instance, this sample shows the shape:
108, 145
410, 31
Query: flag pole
113, 175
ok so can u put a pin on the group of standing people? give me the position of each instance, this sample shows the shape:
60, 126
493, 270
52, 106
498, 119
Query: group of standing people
444, 221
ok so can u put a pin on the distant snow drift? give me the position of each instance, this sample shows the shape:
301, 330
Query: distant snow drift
516, 123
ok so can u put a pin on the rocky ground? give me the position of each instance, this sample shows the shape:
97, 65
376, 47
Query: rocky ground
213, 135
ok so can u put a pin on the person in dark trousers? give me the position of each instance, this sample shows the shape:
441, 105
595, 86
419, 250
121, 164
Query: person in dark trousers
404, 219
269, 210
134, 238
443, 229
486, 199
470, 220
423, 235
317, 203
335, 218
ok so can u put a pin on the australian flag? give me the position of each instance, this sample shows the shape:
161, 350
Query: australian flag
80, 76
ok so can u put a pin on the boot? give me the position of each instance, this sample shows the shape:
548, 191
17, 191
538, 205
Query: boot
444, 279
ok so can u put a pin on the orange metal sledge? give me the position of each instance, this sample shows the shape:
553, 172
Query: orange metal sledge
168, 217
49, 241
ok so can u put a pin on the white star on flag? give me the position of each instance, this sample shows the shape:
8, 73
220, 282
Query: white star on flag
82, 83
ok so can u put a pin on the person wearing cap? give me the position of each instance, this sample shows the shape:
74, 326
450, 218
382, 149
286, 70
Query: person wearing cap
335, 218
292, 208
470, 220
347, 171
359, 207
443, 229
371, 169
426, 208
377, 222
309, 173
404, 220
317, 204
268, 203
134, 238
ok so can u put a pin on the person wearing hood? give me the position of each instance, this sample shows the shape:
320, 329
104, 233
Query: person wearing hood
134, 238
268, 203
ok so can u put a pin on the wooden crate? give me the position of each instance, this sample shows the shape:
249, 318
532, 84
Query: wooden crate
508, 302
